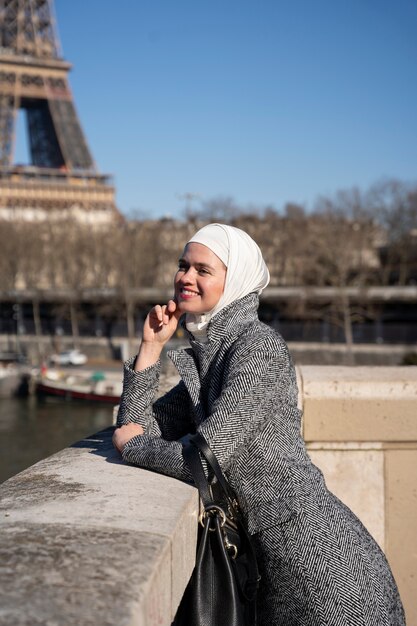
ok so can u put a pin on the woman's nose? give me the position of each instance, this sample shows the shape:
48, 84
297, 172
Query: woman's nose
187, 276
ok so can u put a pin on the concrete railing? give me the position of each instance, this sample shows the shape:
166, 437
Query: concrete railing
360, 425
88, 540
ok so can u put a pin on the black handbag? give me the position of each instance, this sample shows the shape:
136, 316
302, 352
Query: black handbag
222, 588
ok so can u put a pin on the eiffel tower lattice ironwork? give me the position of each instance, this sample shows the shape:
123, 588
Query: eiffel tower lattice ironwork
33, 77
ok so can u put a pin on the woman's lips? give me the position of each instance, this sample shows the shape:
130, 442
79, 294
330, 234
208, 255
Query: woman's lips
187, 294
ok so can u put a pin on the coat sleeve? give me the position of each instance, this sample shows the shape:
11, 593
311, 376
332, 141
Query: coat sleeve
168, 417
251, 389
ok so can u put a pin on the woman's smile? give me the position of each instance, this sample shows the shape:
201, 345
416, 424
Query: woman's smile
187, 293
199, 281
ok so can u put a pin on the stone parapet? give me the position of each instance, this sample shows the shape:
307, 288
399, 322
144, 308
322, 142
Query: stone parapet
360, 426
87, 540
359, 403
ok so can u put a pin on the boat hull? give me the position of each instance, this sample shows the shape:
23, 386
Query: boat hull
66, 393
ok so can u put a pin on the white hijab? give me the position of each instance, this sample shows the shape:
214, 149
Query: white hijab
246, 269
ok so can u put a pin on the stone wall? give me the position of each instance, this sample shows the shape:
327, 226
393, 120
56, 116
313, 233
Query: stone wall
360, 426
88, 540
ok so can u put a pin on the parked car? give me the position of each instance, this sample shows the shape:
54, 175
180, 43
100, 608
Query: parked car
69, 357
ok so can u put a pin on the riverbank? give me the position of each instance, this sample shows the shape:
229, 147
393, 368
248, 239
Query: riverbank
109, 353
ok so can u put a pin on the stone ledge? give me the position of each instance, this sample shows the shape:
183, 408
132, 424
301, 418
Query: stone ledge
86, 540
359, 403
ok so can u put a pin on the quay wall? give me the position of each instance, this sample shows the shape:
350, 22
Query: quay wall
101, 349
87, 540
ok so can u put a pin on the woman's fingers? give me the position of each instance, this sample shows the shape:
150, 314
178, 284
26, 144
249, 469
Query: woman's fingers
165, 312
158, 313
161, 322
174, 309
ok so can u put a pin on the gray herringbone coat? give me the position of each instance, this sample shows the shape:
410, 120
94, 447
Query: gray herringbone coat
319, 565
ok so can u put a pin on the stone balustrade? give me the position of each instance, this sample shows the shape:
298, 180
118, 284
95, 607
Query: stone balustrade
360, 426
88, 540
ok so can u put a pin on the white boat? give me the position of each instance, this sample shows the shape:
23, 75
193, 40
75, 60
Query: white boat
94, 387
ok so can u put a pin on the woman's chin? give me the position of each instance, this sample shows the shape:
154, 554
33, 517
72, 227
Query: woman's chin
188, 307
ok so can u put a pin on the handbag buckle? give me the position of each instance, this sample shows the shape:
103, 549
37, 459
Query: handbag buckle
211, 511
230, 547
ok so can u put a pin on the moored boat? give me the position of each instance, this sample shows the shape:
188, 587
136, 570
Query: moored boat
97, 387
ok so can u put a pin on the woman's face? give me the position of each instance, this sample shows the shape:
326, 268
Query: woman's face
199, 281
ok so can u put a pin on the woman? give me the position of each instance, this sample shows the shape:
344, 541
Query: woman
319, 565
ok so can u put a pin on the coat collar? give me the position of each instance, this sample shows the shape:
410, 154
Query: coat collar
229, 321
193, 363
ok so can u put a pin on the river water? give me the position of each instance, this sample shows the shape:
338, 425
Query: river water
32, 429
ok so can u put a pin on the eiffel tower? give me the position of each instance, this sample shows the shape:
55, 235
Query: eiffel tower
61, 175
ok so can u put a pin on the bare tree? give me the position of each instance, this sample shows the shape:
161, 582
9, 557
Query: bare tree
12, 247
21, 263
342, 254
394, 204
139, 255
70, 260
219, 209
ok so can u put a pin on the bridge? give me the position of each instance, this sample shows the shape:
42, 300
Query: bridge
87, 540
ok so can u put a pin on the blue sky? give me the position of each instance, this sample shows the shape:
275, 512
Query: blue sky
267, 101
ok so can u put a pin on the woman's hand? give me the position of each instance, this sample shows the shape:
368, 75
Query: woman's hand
160, 325
123, 434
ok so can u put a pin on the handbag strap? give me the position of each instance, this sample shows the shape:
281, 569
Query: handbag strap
196, 444
191, 452
202, 445
195, 466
